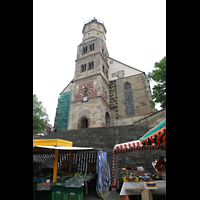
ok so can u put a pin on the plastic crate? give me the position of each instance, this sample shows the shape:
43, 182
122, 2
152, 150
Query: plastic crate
81, 178
69, 190
74, 183
58, 189
73, 196
59, 183
58, 195
89, 176
47, 186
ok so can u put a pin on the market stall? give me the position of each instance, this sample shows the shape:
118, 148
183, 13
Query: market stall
73, 168
137, 179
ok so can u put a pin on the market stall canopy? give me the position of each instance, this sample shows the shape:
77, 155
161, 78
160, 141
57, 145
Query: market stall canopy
156, 135
52, 142
153, 139
126, 147
48, 146
131, 146
67, 148
51, 149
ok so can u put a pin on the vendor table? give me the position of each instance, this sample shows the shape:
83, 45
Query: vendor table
135, 188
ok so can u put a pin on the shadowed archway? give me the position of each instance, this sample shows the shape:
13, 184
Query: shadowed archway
107, 119
83, 122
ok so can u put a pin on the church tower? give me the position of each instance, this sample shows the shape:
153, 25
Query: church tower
103, 89
90, 92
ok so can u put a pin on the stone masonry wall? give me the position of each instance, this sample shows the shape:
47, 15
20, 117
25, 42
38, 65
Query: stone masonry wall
140, 92
152, 120
105, 138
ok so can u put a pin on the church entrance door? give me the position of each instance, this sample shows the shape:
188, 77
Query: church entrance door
84, 123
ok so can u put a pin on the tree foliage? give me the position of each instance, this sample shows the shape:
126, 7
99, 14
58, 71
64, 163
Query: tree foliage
159, 76
40, 117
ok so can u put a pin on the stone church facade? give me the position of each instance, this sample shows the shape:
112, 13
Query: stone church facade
103, 91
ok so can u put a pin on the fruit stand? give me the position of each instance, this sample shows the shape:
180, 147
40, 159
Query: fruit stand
137, 180
63, 172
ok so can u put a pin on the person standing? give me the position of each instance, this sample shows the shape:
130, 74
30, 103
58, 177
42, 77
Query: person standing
161, 164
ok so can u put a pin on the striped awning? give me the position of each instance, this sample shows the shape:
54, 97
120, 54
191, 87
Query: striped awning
132, 146
153, 139
156, 135
128, 146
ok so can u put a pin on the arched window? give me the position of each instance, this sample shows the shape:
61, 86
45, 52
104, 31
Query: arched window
103, 68
128, 99
107, 119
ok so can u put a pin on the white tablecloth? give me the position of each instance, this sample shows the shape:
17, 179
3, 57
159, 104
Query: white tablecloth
140, 186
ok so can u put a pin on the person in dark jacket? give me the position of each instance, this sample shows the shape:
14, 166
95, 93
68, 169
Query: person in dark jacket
161, 164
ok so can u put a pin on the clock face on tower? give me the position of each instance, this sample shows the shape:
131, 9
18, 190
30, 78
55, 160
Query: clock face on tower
85, 90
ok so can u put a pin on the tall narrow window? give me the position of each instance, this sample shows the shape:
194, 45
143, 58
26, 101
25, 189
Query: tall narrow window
128, 99
85, 49
83, 67
91, 47
103, 68
91, 65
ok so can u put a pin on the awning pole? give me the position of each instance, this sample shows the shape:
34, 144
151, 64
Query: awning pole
55, 168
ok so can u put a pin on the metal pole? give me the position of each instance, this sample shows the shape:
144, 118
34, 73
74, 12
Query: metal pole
55, 168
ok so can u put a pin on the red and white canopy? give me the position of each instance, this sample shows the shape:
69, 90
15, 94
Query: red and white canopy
126, 147
132, 146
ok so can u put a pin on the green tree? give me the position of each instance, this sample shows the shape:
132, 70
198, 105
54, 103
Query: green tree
159, 76
40, 117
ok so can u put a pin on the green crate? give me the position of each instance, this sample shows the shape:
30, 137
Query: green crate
59, 189
59, 183
69, 190
73, 196
58, 195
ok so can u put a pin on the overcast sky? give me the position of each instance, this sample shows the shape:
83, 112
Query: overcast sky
136, 36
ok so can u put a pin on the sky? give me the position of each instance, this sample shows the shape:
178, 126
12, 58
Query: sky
136, 36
